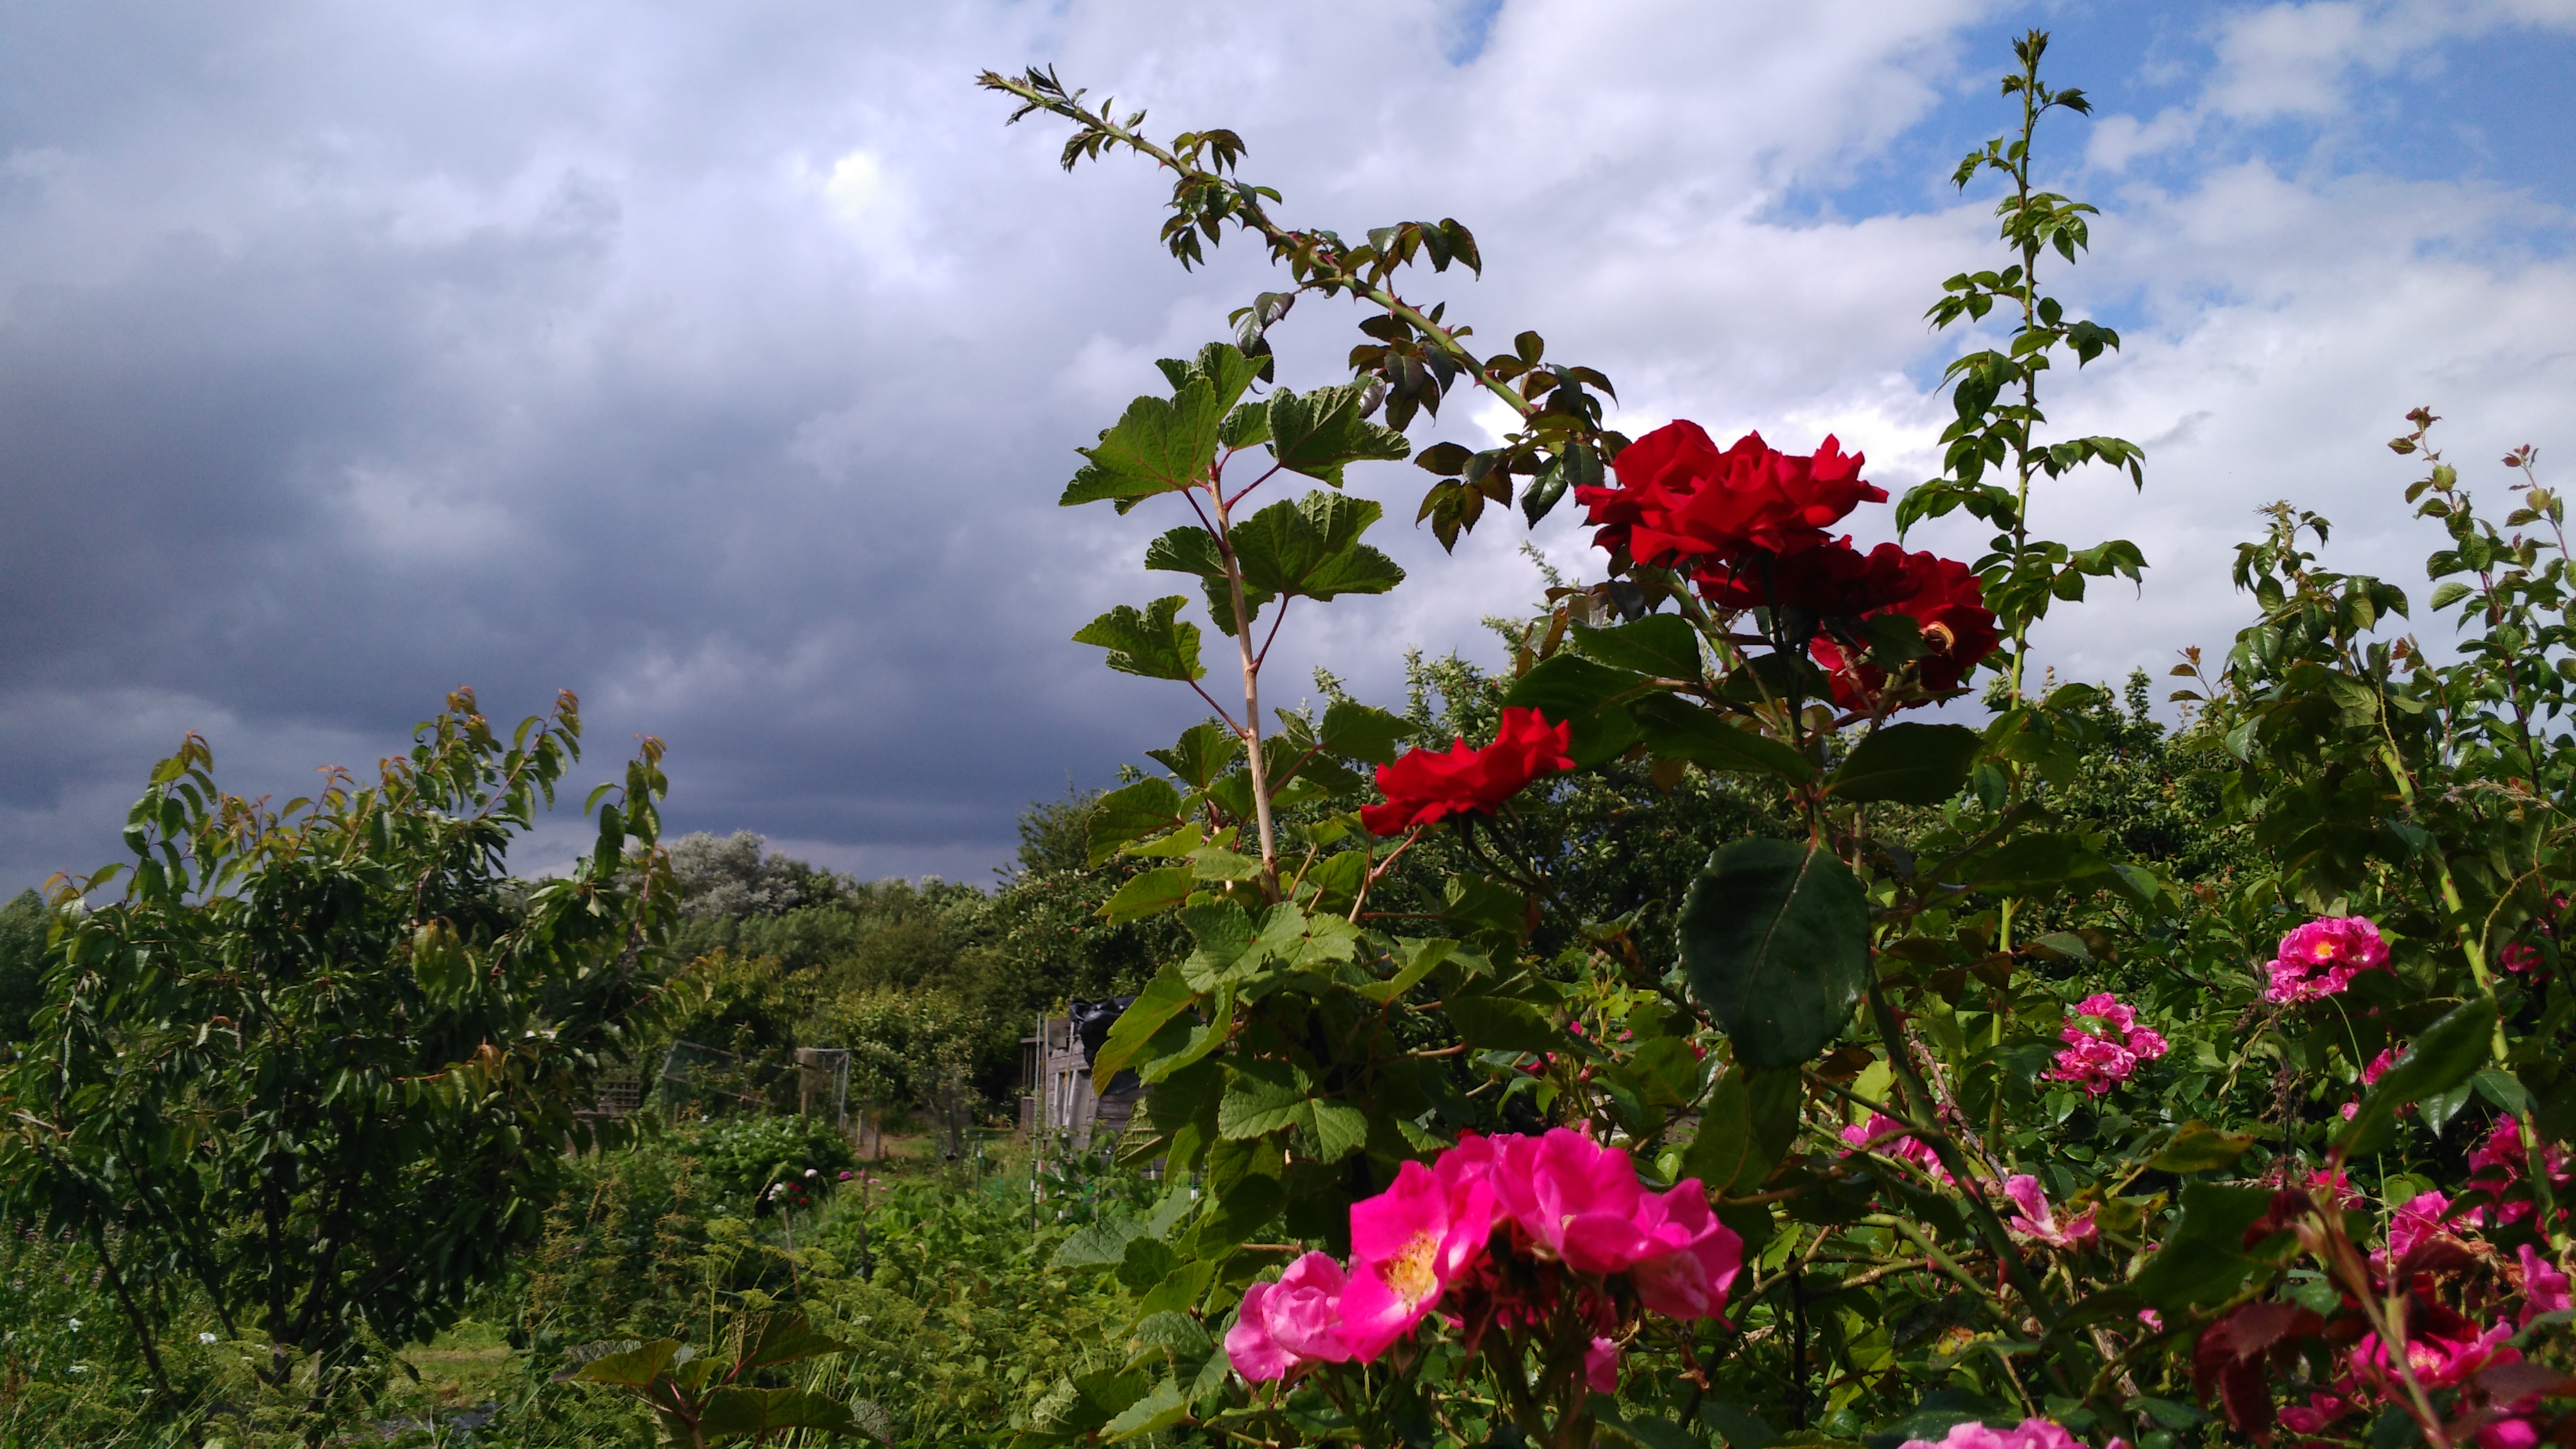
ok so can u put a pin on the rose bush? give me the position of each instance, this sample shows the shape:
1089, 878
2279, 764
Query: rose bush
1956, 1103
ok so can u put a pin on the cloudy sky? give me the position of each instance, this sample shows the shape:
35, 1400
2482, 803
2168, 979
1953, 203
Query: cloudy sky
722, 363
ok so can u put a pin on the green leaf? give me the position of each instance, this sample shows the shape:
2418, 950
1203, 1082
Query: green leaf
1310, 548
1159, 446
1910, 764
2448, 593
1357, 731
1164, 997
1145, 1262
1099, 1245
2032, 860
1676, 730
1301, 942
1317, 433
1414, 961
632, 1368
1151, 644
2199, 1147
1149, 893
1204, 752
733, 1412
1215, 862
785, 1338
1177, 1334
1775, 943
1224, 933
1133, 812
1664, 645
2203, 1260
1746, 1128
1156, 1411
1188, 549
1568, 688
1500, 1024
1263, 1097
2444, 1056
1340, 1129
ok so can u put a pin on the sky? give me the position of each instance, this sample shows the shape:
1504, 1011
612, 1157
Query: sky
722, 364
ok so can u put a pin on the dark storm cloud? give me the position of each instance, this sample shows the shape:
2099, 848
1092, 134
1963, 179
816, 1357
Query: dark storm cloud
723, 364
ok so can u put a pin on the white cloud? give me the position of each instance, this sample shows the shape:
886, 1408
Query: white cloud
726, 364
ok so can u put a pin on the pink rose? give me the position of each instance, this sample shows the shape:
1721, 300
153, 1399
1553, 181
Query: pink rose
2028, 1434
2320, 958
2416, 1219
2036, 1222
2438, 1362
2544, 1288
1576, 1199
1693, 1258
1882, 1133
1408, 1244
1286, 1325
1601, 1366
2105, 1053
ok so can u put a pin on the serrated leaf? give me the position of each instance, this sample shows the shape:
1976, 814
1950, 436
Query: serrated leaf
1746, 1128
1164, 997
1152, 643
1501, 1024
1204, 752
1160, 445
631, 1368
1149, 893
1188, 549
785, 1338
1317, 433
1133, 812
1310, 548
1357, 731
1414, 961
731, 1412
1775, 943
1263, 1097
1340, 1130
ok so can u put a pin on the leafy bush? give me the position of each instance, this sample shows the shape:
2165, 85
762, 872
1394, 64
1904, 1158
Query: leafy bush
739, 1157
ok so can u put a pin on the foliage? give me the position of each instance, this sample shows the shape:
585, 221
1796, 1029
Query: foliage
23, 924
739, 1158
316, 1068
1968, 1183
704, 1399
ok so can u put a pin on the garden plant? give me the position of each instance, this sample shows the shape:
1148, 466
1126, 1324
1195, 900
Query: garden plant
1936, 1119
1766, 1006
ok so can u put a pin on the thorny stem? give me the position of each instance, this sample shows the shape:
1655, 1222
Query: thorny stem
1928, 1129
1331, 272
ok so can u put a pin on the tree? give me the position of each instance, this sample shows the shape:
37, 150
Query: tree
321, 1064
23, 923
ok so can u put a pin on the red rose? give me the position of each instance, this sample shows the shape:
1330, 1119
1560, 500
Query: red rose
1958, 629
1678, 497
1423, 785
1833, 580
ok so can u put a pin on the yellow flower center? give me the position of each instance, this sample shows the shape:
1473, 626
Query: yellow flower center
1409, 1271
